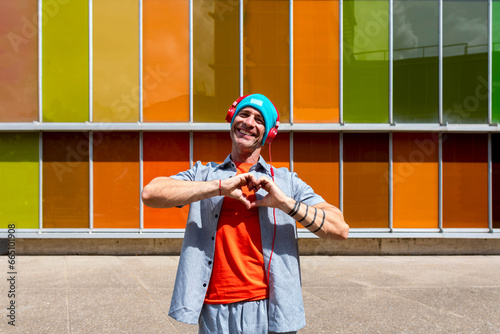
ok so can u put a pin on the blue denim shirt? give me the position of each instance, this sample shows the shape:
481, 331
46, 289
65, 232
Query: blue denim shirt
286, 309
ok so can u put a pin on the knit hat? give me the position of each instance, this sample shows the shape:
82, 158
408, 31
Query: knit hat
264, 106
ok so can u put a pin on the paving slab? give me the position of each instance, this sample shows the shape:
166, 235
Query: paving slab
342, 294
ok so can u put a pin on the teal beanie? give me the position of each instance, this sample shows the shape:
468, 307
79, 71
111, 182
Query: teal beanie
264, 106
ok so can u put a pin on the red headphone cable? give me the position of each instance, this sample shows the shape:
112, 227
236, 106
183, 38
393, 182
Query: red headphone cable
274, 216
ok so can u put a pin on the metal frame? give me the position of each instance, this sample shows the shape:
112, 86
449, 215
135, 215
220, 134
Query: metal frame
191, 127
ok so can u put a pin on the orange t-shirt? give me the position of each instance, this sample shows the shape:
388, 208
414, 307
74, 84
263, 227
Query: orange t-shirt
238, 272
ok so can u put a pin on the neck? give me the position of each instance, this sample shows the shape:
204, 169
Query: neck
246, 157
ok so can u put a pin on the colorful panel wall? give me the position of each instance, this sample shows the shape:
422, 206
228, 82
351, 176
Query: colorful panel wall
97, 98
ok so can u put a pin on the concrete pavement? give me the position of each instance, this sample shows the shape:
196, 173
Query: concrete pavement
342, 294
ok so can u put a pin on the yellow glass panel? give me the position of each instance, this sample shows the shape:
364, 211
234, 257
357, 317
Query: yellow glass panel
65, 60
216, 79
19, 179
115, 61
266, 55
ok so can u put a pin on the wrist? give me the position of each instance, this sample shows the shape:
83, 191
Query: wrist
287, 205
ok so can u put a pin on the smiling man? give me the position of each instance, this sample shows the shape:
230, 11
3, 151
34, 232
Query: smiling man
239, 269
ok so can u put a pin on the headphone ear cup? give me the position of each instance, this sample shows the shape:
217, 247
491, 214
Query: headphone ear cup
232, 109
271, 135
230, 114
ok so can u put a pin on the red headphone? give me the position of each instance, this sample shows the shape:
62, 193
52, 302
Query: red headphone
271, 134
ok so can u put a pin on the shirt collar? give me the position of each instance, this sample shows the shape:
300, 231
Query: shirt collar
260, 165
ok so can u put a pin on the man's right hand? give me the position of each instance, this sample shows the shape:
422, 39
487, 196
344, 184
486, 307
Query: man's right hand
232, 187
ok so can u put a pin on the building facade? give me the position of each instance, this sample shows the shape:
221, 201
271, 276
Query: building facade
389, 109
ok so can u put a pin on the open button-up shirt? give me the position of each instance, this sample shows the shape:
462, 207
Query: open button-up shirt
286, 309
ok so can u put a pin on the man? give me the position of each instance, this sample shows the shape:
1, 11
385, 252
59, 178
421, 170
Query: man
239, 270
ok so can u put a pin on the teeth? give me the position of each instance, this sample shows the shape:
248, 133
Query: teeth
246, 133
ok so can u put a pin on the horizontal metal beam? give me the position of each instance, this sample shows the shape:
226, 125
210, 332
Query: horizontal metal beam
286, 127
302, 233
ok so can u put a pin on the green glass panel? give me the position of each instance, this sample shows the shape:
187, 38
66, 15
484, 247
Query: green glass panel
365, 61
495, 69
416, 62
19, 180
465, 61
215, 58
65, 61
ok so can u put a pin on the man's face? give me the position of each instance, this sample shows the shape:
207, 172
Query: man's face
248, 129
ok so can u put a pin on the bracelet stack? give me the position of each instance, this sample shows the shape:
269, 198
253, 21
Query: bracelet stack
296, 209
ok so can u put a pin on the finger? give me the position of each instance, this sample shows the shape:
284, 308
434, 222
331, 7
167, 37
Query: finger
245, 202
264, 183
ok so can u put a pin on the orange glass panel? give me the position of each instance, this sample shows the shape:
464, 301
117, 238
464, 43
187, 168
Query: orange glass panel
165, 60
495, 179
266, 55
115, 60
465, 181
216, 71
116, 180
415, 180
19, 61
316, 61
65, 180
165, 154
366, 180
316, 161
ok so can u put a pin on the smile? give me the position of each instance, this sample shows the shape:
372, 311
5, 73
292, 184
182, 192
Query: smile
245, 132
